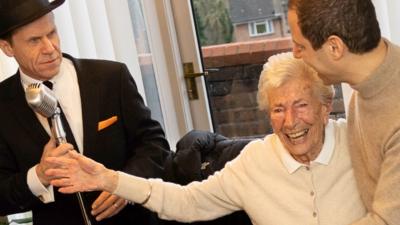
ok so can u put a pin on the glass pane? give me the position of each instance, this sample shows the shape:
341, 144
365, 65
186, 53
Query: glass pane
145, 59
234, 58
261, 28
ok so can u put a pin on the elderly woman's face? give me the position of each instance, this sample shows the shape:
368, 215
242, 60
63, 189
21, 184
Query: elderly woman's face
298, 118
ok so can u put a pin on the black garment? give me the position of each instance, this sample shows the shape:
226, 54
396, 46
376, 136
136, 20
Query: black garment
198, 155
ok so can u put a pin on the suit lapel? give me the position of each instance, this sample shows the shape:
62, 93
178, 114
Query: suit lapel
90, 102
24, 114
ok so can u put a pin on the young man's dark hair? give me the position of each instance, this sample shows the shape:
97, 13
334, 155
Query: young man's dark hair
353, 21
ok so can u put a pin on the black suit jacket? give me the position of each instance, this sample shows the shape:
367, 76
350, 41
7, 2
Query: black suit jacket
134, 143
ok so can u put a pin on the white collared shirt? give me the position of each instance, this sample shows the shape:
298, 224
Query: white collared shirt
66, 90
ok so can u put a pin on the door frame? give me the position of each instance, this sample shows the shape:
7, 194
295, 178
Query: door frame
184, 49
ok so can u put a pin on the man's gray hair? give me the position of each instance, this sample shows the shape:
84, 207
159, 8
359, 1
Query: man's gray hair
283, 67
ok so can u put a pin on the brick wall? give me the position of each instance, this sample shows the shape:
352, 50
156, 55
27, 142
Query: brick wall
233, 101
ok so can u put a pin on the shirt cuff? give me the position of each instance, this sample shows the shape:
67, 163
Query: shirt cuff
46, 195
132, 188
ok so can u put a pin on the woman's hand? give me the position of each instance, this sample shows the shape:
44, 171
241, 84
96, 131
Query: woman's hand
78, 173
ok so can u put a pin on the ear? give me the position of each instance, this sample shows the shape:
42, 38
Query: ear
6, 48
335, 47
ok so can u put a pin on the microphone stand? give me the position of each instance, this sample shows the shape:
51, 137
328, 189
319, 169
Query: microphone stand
60, 136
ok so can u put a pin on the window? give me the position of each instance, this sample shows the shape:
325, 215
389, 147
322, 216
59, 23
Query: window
261, 28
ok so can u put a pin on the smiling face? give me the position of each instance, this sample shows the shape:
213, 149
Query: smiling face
298, 118
36, 48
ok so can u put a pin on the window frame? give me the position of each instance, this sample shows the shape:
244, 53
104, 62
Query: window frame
269, 27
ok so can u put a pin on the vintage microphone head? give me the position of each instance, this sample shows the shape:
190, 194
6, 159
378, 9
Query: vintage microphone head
41, 99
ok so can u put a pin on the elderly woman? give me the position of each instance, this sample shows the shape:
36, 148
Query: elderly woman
301, 174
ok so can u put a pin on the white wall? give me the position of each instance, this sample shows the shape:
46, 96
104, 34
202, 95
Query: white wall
8, 66
389, 17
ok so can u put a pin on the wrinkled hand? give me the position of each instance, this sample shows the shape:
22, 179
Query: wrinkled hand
50, 150
107, 205
78, 173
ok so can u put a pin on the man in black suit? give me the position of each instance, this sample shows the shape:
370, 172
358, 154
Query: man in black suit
106, 115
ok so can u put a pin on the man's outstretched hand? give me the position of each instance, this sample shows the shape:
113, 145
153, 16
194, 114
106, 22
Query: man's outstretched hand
50, 150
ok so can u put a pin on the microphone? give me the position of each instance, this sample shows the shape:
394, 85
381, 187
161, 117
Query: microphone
43, 101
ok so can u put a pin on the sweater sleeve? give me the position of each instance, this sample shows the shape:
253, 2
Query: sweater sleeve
386, 201
214, 197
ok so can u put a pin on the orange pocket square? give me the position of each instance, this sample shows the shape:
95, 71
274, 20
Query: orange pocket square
106, 123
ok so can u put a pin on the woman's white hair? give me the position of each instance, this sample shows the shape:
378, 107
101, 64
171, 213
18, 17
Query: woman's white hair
283, 67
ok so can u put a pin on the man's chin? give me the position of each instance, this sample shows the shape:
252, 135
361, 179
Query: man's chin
49, 74
51, 70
